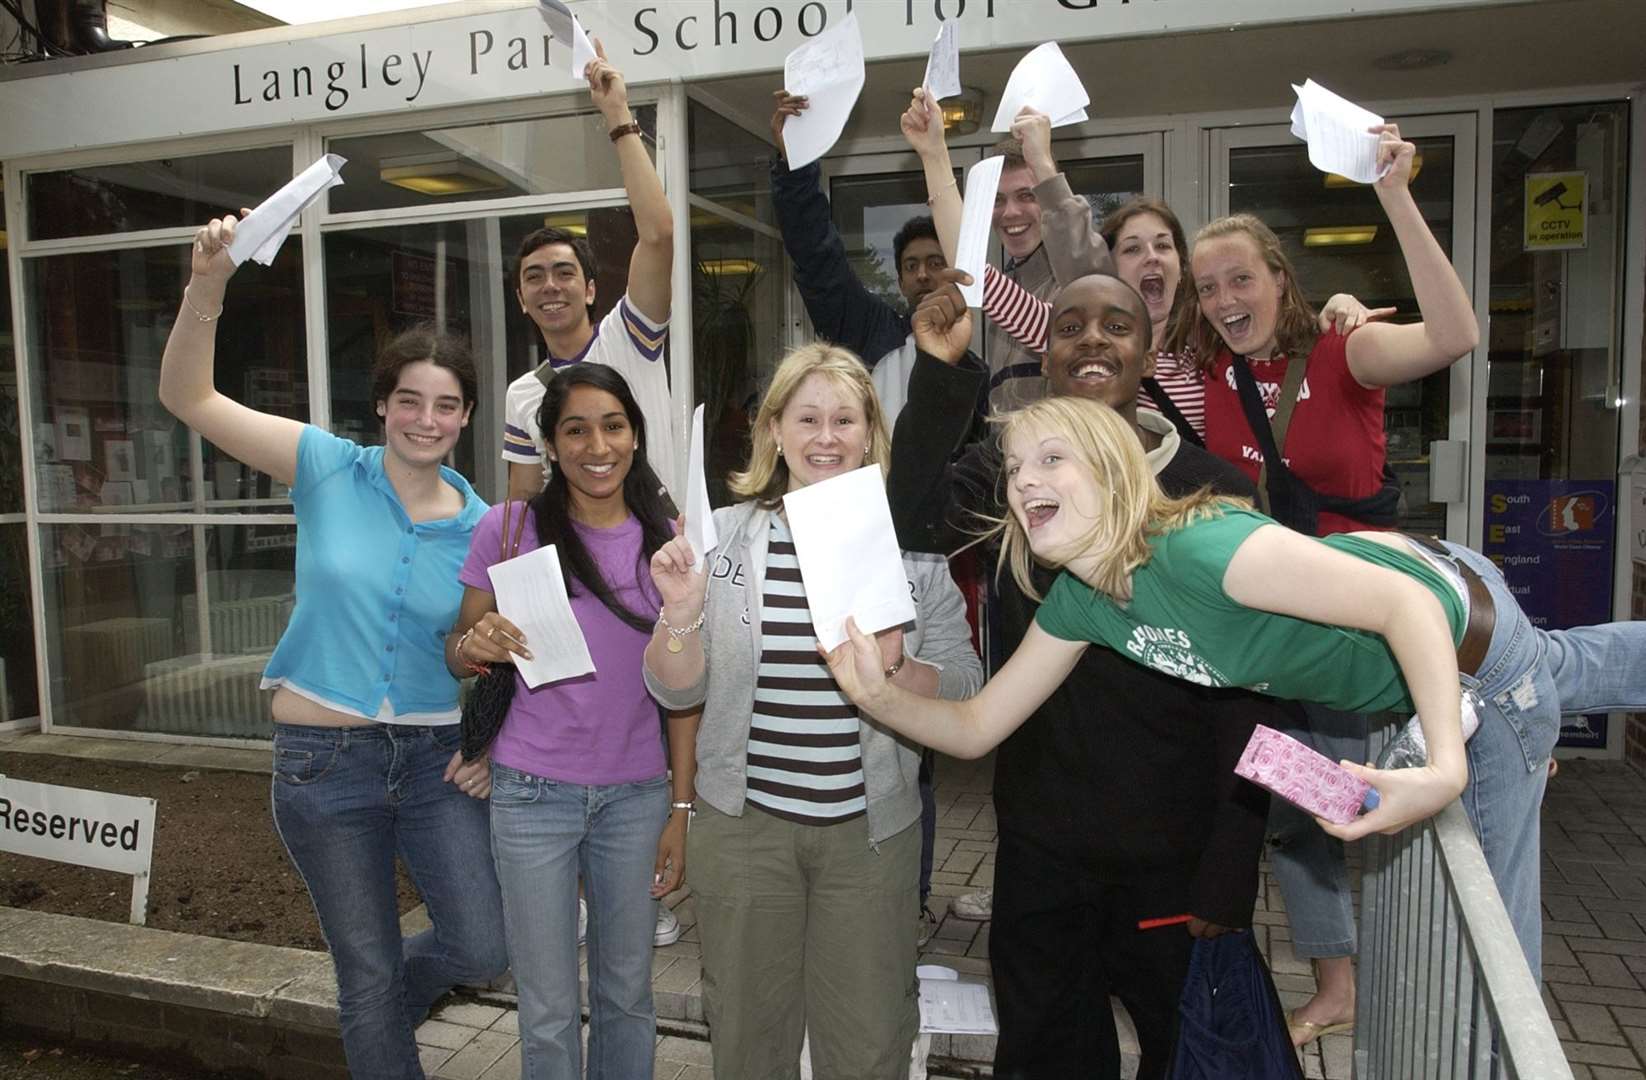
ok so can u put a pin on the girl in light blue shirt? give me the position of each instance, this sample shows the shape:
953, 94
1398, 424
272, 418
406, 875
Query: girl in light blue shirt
366, 760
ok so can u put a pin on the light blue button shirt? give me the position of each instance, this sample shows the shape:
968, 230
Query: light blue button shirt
376, 592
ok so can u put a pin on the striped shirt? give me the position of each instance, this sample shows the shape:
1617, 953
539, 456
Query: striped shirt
805, 757
1027, 319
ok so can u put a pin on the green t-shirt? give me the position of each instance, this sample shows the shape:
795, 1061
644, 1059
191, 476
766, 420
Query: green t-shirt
1181, 622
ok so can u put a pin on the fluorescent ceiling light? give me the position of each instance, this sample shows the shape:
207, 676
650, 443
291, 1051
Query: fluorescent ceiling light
442, 176
1339, 235
1333, 180
729, 267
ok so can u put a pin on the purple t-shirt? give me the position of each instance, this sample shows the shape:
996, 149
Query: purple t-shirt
602, 728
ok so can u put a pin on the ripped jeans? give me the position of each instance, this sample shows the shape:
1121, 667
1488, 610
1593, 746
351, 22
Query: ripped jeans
1529, 678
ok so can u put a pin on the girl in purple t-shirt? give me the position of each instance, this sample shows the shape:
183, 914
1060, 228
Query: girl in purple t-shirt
579, 776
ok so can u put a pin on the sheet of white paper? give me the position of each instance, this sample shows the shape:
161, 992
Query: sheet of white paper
1045, 81
828, 70
1335, 129
948, 1006
848, 554
531, 593
565, 27
976, 223
943, 65
700, 532
260, 235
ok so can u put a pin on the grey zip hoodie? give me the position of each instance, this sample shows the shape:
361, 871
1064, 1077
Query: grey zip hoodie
731, 647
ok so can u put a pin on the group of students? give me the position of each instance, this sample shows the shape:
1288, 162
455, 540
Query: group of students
1116, 496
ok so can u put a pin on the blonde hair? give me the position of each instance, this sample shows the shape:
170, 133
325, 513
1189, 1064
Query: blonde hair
1191, 332
767, 477
1103, 442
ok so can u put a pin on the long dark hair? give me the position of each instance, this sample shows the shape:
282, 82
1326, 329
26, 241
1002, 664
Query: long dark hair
551, 507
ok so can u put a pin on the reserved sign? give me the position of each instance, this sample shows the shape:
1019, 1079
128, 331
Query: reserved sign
86, 828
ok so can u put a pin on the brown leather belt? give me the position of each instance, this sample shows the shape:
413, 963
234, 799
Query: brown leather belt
1477, 633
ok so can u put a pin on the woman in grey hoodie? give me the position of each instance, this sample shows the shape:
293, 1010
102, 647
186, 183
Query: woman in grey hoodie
805, 849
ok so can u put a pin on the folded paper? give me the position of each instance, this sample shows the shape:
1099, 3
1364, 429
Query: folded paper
260, 234
976, 224
848, 555
1336, 131
1045, 82
531, 593
564, 27
700, 531
828, 71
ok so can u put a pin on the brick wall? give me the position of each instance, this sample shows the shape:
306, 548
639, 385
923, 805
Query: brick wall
168, 1034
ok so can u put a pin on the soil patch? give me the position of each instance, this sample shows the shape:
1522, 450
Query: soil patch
219, 868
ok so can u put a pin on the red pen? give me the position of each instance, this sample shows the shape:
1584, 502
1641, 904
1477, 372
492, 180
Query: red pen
1168, 920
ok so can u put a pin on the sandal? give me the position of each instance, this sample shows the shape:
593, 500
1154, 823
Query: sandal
1304, 1032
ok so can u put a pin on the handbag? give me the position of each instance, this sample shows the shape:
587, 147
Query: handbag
493, 690
1280, 492
1230, 1023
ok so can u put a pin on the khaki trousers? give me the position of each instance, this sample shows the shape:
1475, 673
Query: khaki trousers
806, 927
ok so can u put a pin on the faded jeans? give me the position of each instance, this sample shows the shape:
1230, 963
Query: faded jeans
346, 801
1530, 677
544, 835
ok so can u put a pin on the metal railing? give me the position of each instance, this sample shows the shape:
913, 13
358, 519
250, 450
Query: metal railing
1444, 990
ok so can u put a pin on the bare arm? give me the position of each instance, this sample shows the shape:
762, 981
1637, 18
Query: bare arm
968, 728
524, 481
684, 593
1278, 570
669, 873
495, 640
1383, 355
923, 127
188, 388
652, 265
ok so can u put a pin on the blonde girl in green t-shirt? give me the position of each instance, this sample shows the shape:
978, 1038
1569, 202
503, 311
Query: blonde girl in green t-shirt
1208, 590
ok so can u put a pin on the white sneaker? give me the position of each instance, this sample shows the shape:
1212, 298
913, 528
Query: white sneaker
668, 928
925, 926
582, 920
977, 906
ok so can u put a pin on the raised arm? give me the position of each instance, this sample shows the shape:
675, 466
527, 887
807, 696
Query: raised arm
1383, 355
1073, 244
677, 675
933, 495
1278, 570
922, 125
1016, 310
965, 729
188, 388
841, 309
652, 266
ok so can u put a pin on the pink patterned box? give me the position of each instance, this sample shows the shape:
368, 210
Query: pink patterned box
1302, 777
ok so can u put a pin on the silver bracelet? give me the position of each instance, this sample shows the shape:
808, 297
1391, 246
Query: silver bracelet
689, 807
198, 314
677, 632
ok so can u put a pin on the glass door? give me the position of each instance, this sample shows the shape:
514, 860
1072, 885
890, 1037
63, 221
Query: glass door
1336, 235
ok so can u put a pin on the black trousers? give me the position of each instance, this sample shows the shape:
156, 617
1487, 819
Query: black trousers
1059, 948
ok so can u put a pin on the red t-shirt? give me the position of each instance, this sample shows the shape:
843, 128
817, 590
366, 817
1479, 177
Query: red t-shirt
1335, 443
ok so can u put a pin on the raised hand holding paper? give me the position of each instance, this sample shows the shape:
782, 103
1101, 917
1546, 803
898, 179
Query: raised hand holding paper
848, 554
531, 593
1044, 81
943, 65
564, 26
828, 71
260, 235
700, 532
976, 221
1336, 131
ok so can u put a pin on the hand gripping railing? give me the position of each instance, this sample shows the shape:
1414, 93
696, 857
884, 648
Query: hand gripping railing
1444, 990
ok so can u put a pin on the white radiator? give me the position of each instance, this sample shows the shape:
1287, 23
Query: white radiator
238, 626
111, 653
207, 695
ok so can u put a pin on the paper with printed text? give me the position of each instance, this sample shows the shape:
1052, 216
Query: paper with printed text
951, 1007
1335, 129
976, 224
943, 65
1044, 81
828, 71
531, 593
259, 236
848, 554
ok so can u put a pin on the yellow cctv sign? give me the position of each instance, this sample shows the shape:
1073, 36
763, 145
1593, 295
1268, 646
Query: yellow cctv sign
1556, 211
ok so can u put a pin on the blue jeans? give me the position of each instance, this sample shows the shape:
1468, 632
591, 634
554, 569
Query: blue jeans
1530, 677
544, 834
1308, 864
346, 801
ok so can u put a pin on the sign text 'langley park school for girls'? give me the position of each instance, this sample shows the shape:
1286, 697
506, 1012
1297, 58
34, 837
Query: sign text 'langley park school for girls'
493, 51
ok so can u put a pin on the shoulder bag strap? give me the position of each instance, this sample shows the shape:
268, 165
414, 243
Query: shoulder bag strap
1168, 408
1270, 434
